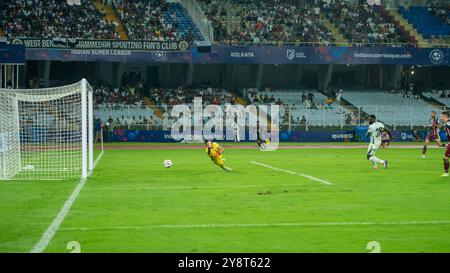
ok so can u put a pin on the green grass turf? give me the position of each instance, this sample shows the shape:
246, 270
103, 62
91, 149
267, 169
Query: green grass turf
130, 188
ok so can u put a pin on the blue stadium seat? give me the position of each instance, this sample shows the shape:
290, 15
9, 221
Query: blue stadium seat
425, 23
184, 21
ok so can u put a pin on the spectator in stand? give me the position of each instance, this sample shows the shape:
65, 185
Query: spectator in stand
348, 119
186, 95
98, 130
364, 24
416, 136
267, 21
440, 10
339, 96
144, 20
55, 18
303, 121
104, 94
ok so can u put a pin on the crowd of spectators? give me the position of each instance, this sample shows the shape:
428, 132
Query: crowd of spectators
186, 95
267, 21
54, 18
442, 11
304, 99
126, 121
114, 98
145, 20
234, 21
217, 14
304, 107
255, 97
441, 93
364, 24
441, 40
129, 94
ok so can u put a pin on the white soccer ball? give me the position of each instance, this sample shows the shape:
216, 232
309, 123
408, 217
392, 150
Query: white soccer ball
168, 163
28, 167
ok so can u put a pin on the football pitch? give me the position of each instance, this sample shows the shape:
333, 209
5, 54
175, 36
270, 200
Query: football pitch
314, 198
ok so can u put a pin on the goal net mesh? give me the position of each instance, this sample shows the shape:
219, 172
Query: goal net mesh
41, 133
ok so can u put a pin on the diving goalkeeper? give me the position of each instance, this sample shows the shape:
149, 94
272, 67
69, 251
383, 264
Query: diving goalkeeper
215, 151
259, 140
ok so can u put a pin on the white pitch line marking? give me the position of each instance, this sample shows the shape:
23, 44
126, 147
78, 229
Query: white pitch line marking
260, 225
54, 226
326, 182
230, 187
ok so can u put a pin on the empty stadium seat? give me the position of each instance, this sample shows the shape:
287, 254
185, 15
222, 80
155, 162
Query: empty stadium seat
185, 23
436, 95
391, 108
332, 115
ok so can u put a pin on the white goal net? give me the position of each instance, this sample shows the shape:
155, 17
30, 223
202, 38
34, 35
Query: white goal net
46, 134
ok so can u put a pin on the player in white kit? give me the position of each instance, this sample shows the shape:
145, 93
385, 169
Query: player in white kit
375, 131
236, 131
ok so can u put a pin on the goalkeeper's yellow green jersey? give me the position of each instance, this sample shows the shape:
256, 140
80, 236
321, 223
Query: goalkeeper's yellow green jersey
216, 150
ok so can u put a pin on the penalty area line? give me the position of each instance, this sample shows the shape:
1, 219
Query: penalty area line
54, 226
231, 187
259, 225
326, 182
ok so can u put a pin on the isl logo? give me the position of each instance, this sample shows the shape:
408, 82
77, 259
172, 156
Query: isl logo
159, 56
404, 136
290, 54
436, 56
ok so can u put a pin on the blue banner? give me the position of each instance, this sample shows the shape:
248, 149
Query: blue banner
12, 54
285, 136
399, 136
256, 55
140, 136
311, 136
359, 134
323, 55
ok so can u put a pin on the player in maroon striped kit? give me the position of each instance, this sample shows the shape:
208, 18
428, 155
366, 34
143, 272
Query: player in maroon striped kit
445, 119
433, 134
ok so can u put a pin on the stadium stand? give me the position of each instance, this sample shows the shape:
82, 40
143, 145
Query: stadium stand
442, 96
442, 11
124, 106
304, 107
392, 108
235, 22
267, 21
167, 97
148, 20
112, 17
53, 18
180, 95
428, 21
127, 116
125, 95
363, 24
156, 20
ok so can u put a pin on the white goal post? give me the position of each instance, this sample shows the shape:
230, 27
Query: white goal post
46, 134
